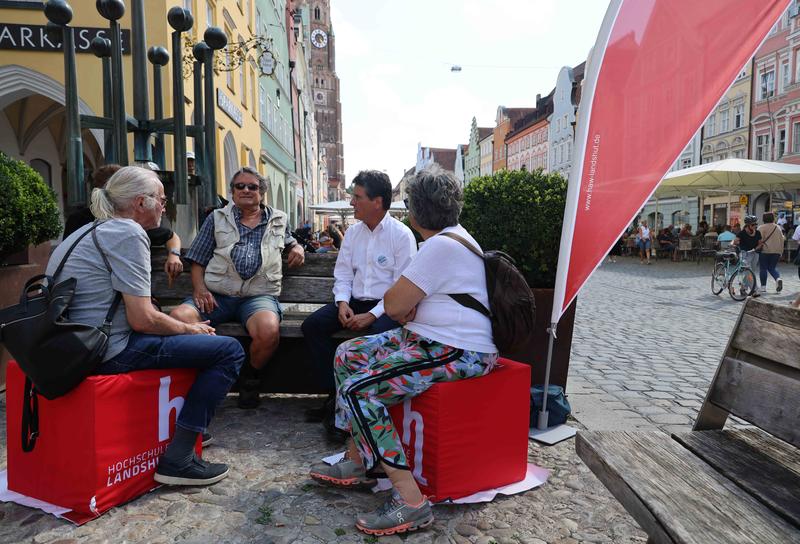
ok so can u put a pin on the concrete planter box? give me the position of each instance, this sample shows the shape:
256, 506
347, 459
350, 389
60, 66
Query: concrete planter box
13, 278
535, 354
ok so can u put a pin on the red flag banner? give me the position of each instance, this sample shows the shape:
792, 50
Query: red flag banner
658, 69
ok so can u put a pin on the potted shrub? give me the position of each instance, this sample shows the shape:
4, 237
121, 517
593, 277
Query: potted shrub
521, 213
28, 209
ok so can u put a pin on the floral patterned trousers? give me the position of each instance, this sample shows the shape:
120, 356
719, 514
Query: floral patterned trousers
375, 372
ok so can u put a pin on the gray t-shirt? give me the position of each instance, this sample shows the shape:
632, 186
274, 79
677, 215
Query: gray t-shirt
127, 249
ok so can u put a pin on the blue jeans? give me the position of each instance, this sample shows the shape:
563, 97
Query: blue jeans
768, 262
218, 358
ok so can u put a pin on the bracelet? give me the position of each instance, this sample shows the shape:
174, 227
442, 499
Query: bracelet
175, 252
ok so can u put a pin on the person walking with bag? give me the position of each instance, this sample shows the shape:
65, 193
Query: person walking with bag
770, 249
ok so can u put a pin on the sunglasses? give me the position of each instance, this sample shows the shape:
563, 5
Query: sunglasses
248, 186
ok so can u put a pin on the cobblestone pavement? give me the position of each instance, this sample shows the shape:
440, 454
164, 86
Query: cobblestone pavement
647, 340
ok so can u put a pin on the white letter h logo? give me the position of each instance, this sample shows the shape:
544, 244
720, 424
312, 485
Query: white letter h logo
165, 406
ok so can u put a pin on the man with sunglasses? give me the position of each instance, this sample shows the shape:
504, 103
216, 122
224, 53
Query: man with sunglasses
237, 271
372, 256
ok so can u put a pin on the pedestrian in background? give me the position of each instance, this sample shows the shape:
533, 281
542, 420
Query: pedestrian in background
645, 242
770, 249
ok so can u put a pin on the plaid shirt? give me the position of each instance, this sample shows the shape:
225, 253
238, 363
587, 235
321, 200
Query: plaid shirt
246, 254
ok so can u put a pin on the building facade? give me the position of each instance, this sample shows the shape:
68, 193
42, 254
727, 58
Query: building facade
32, 89
472, 161
325, 89
561, 129
726, 132
504, 123
486, 146
527, 143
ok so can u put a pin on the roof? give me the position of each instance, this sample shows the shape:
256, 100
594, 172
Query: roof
483, 132
515, 114
446, 158
578, 74
545, 108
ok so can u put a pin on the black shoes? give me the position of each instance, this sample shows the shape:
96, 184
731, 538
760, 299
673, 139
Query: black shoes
317, 415
249, 386
197, 472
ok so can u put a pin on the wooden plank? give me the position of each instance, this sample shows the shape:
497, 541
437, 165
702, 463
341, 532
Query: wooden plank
316, 264
752, 460
780, 314
308, 289
675, 496
769, 339
290, 328
766, 397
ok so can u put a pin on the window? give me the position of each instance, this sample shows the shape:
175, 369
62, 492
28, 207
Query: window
781, 142
723, 120
766, 88
762, 147
316, 13
242, 86
738, 116
258, 20
686, 163
210, 14
262, 103
738, 154
786, 74
711, 125
253, 90
796, 138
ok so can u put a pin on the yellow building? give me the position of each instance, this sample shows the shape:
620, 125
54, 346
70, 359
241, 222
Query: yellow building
32, 90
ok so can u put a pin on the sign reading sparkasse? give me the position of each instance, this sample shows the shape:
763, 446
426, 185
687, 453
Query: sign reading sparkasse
34, 38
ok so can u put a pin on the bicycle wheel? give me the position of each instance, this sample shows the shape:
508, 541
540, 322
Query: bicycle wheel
742, 284
718, 279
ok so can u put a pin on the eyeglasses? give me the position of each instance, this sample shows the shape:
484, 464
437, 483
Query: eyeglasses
248, 186
161, 199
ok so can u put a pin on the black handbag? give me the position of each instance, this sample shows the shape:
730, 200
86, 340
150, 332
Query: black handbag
54, 354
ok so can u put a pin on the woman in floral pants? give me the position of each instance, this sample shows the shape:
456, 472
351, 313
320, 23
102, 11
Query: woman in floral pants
440, 341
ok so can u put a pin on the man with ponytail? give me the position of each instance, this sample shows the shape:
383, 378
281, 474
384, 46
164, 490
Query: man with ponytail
141, 336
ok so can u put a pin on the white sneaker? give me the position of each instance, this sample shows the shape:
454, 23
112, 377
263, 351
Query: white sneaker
763, 290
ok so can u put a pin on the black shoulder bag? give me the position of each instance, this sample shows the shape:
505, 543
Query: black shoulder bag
54, 354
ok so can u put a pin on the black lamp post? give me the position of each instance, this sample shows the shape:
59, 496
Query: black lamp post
115, 118
59, 13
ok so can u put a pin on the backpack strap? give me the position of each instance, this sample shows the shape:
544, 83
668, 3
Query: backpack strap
463, 298
107, 322
69, 251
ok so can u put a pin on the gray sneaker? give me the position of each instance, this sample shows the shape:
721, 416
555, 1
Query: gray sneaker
779, 287
345, 473
396, 516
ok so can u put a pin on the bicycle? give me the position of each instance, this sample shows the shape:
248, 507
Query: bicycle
733, 272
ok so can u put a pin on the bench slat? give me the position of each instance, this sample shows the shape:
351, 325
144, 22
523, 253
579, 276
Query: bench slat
772, 340
290, 328
674, 496
782, 315
765, 467
308, 289
767, 397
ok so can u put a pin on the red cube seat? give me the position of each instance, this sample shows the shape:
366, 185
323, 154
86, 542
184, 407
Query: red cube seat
98, 445
469, 435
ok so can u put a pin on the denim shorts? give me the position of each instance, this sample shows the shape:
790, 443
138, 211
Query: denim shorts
644, 244
238, 308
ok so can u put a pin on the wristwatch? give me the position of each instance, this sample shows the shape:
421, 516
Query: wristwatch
175, 252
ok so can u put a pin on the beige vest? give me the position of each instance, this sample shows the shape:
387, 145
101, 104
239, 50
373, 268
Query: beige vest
221, 275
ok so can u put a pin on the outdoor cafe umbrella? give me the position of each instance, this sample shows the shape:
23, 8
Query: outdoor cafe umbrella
343, 207
731, 175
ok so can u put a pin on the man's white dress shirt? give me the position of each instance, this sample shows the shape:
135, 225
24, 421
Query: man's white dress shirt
371, 261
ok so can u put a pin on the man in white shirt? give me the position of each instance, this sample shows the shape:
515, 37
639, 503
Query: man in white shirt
373, 255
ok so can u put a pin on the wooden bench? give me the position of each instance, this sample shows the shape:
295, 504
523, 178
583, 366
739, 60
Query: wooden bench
303, 290
712, 485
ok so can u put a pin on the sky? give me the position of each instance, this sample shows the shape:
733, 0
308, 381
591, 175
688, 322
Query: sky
393, 59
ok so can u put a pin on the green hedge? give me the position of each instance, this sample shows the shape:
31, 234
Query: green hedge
28, 209
520, 213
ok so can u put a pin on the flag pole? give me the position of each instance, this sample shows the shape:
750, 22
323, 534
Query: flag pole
541, 423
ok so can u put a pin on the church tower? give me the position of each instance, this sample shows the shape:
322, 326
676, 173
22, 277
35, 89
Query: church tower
325, 87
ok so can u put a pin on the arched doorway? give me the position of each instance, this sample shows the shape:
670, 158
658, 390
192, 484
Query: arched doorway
32, 127
281, 203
